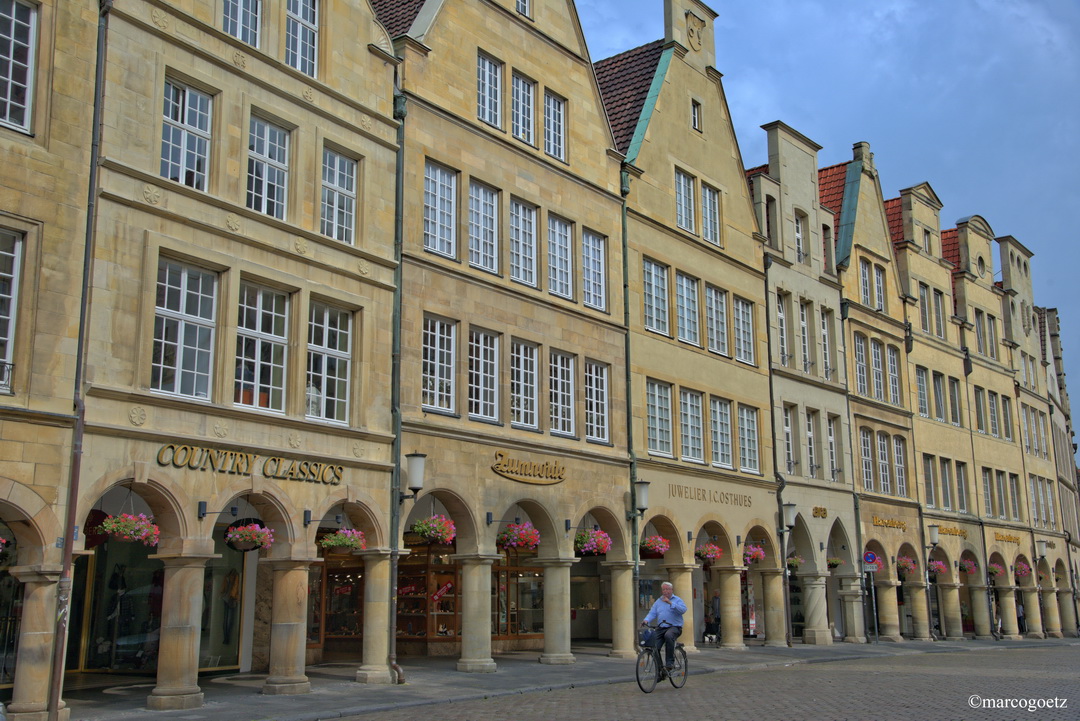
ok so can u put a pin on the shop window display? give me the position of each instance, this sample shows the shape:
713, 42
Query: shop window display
11, 599
517, 595
428, 612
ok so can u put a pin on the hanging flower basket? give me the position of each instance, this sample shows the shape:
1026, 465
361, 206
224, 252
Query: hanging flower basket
709, 552
653, 547
344, 540
250, 537
968, 566
905, 565
590, 542
936, 566
1022, 569
793, 562
752, 554
435, 529
128, 527
518, 535
995, 569
834, 562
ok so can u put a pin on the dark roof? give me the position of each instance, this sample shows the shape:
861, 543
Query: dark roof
1041, 313
396, 15
750, 172
831, 190
950, 246
624, 81
894, 214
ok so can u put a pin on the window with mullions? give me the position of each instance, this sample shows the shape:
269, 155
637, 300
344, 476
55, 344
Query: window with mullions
789, 440
923, 392
900, 465
483, 227
554, 126
811, 444
833, 471
961, 487
716, 324
827, 344
992, 406
185, 135
483, 375
522, 100
744, 330
782, 328
593, 271
18, 37
894, 375
329, 359
488, 90
804, 335
710, 214
261, 343
302, 35
929, 470
1014, 494
440, 191
11, 250
865, 292
720, 422
861, 384
658, 417
437, 367
268, 168
748, 439
988, 494
561, 393
524, 7
523, 243
560, 272
879, 286
524, 384
241, 20
596, 401
801, 253
686, 307
655, 296
684, 201
866, 447
924, 307
884, 478
946, 484
338, 196
186, 308
690, 426
955, 414
877, 351
939, 314
939, 397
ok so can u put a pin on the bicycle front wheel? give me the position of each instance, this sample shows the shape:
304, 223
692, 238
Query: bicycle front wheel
647, 671
679, 670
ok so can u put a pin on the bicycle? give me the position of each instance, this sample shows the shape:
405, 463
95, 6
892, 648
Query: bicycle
650, 665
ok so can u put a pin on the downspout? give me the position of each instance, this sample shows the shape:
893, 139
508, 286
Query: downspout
63, 597
855, 493
632, 514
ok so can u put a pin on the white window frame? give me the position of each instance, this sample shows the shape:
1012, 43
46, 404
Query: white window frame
831, 435
684, 200
1006, 417
439, 361
11, 261
826, 343
922, 381
879, 287
939, 314
183, 287
489, 90
893, 355
483, 227
262, 347
710, 214
961, 487
302, 36
811, 444
866, 448
655, 295
999, 478
338, 217
924, 307
1014, 494
524, 384
716, 321
658, 417
884, 461
691, 428
523, 242
187, 114
877, 363
561, 393
268, 168
522, 108
945, 480
988, 493
992, 409
930, 480
20, 59
560, 257
720, 421
749, 461
782, 328
554, 125
866, 294
800, 243
594, 270
980, 410
242, 19
789, 441
524, 7
956, 413
329, 362
743, 316
939, 396
686, 308
695, 115
597, 405
440, 209
483, 375
900, 465
804, 328
862, 386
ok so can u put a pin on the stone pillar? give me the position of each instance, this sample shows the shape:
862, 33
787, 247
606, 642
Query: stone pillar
775, 618
682, 578
888, 611
288, 629
377, 608
815, 611
476, 614
181, 627
30, 694
1033, 611
623, 621
1051, 614
731, 620
851, 596
951, 618
1067, 612
980, 612
920, 611
556, 611
1007, 601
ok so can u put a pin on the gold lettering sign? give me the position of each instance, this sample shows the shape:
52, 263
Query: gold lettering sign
709, 495
821, 512
198, 458
890, 523
538, 474
950, 531
1006, 538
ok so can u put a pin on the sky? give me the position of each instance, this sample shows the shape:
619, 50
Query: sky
980, 98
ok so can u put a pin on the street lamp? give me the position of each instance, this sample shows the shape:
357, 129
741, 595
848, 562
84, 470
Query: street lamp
933, 535
414, 475
789, 512
640, 505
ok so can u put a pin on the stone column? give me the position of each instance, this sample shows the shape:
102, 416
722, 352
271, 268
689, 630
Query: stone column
377, 608
980, 612
1033, 611
1051, 616
30, 693
731, 620
920, 611
1007, 601
775, 619
888, 611
476, 614
851, 596
815, 611
682, 578
951, 619
623, 621
1067, 612
556, 611
181, 627
288, 626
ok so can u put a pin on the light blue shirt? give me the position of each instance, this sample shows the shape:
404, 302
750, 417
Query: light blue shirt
669, 614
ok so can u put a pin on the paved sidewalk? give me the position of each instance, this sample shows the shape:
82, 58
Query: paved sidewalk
236, 697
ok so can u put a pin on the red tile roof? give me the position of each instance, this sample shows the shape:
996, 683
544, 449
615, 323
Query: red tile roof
750, 172
894, 214
831, 190
950, 246
396, 15
624, 81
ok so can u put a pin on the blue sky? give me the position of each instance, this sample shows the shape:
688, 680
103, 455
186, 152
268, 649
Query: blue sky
980, 98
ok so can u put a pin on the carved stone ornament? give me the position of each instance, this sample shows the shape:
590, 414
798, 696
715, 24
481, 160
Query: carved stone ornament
357, 450
221, 429
232, 222
301, 246
239, 60
151, 194
1025, 317
160, 18
309, 94
363, 267
365, 122
695, 28
295, 441
137, 415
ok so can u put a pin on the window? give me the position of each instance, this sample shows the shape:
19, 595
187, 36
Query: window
524, 384
437, 368
686, 307
1006, 417
241, 20
1025, 429
716, 319
262, 340
922, 391
744, 330
721, 432
11, 249
593, 272
939, 397
789, 440
991, 335
554, 126
861, 386
879, 286
1014, 493
185, 135
1050, 505
522, 242
748, 439
866, 446
804, 334
268, 168
894, 375
483, 228
684, 201
826, 343
900, 465
302, 35
930, 481
658, 416
811, 444
560, 274
338, 196
988, 494
440, 191
695, 115
1000, 476
710, 214
524, 7
1042, 435
955, 413
522, 96
1023, 369
864, 283
690, 426
946, 484
488, 90
561, 393
329, 361
186, 307
876, 350
926, 241
483, 375
992, 403
18, 37
924, 307
596, 401
782, 328
980, 409
801, 253
961, 487
939, 314
980, 338
884, 461
834, 452
655, 295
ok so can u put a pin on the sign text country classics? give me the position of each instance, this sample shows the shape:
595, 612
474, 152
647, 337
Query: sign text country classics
709, 494
198, 458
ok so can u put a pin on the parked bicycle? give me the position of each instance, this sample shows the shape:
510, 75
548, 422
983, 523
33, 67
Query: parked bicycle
650, 664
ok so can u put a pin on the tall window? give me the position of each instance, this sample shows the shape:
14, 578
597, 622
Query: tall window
710, 214
946, 484
721, 432
1026, 431
865, 293
241, 20
11, 249
524, 7
1006, 417
1033, 501
437, 368
876, 351
980, 332
988, 493
884, 461
980, 410
561, 393
861, 385
554, 126
1014, 495
926, 241
329, 361
826, 343
900, 465
955, 413
991, 335
686, 307
800, 239
748, 439
488, 90
684, 201
789, 440
655, 296
939, 397
992, 405
894, 375
690, 426
593, 272
695, 115
866, 448
18, 37
185, 133
931, 482
440, 191
1001, 493
268, 167
961, 487
483, 228
834, 453
744, 330
782, 328
804, 335
523, 242
811, 444
523, 93
716, 319
338, 196
483, 375
658, 416
879, 286
1051, 517
186, 307
596, 401
924, 307
524, 384
939, 314
302, 35
560, 274
262, 342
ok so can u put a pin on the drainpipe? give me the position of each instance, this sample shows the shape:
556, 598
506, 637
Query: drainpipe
632, 514
63, 598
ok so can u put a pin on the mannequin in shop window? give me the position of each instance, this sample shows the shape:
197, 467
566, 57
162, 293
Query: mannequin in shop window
230, 596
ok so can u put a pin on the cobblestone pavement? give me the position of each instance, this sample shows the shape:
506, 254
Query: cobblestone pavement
923, 687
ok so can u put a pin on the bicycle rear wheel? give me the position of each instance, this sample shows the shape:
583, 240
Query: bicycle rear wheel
677, 676
647, 671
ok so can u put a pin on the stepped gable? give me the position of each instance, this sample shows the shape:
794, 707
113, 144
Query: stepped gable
894, 215
624, 81
831, 189
396, 15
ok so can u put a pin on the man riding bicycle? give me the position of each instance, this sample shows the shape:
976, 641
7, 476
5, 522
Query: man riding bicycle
667, 612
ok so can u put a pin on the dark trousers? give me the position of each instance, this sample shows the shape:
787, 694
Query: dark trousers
667, 636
